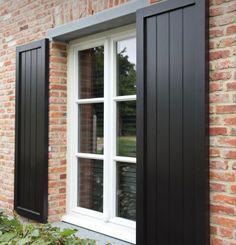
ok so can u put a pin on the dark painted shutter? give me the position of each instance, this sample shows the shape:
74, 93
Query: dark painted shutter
172, 161
31, 152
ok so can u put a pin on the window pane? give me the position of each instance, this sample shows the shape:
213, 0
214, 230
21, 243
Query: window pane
91, 128
90, 184
126, 190
126, 129
126, 67
91, 72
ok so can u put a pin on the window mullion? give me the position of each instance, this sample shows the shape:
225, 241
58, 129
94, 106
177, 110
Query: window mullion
113, 179
107, 145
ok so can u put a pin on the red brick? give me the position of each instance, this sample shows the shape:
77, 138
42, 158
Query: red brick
230, 154
214, 164
231, 86
214, 152
233, 131
219, 98
215, 86
222, 21
226, 232
222, 209
231, 29
216, 241
216, 76
218, 187
233, 189
218, 131
226, 63
226, 141
224, 199
226, 42
216, 32
223, 176
213, 229
214, 120
230, 120
226, 109
214, 55
217, 2
225, 222
215, 11
232, 7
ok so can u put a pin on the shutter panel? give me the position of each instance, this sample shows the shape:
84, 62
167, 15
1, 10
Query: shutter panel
31, 152
172, 160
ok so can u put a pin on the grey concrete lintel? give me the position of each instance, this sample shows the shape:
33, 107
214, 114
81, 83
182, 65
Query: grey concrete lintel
124, 14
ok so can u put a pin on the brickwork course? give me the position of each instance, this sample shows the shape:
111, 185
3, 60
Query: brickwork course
25, 21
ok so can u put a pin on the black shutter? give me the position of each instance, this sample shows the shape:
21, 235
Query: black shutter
172, 161
31, 152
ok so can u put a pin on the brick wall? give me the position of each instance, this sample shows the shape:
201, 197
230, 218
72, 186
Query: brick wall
25, 21
223, 121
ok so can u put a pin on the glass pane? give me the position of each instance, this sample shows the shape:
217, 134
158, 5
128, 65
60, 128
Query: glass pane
126, 128
91, 128
91, 72
90, 184
126, 190
126, 67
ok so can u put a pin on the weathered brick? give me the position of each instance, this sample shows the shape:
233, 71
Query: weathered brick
217, 187
219, 164
222, 198
231, 29
215, 11
218, 131
216, 86
222, 176
231, 86
230, 154
222, 209
231, 120
227, 141
226, 232
225, 109
224, 222
220, 75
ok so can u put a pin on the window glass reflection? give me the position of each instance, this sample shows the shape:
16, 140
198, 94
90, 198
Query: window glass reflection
91, 73
126, 67
91, 128
90, 184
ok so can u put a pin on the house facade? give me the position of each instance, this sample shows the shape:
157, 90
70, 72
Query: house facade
86, 52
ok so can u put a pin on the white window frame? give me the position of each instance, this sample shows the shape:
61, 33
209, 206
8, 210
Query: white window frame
106, 223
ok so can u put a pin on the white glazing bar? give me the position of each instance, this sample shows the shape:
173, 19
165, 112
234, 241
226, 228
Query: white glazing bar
113, 132
107, 144
125, 98
125, 159
90, 156
88, 101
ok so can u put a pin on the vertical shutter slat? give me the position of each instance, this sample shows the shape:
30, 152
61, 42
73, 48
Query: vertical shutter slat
31, 153
162, 126
175, 130
151, 129
188, 125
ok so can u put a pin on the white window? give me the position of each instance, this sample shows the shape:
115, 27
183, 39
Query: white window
102, 133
